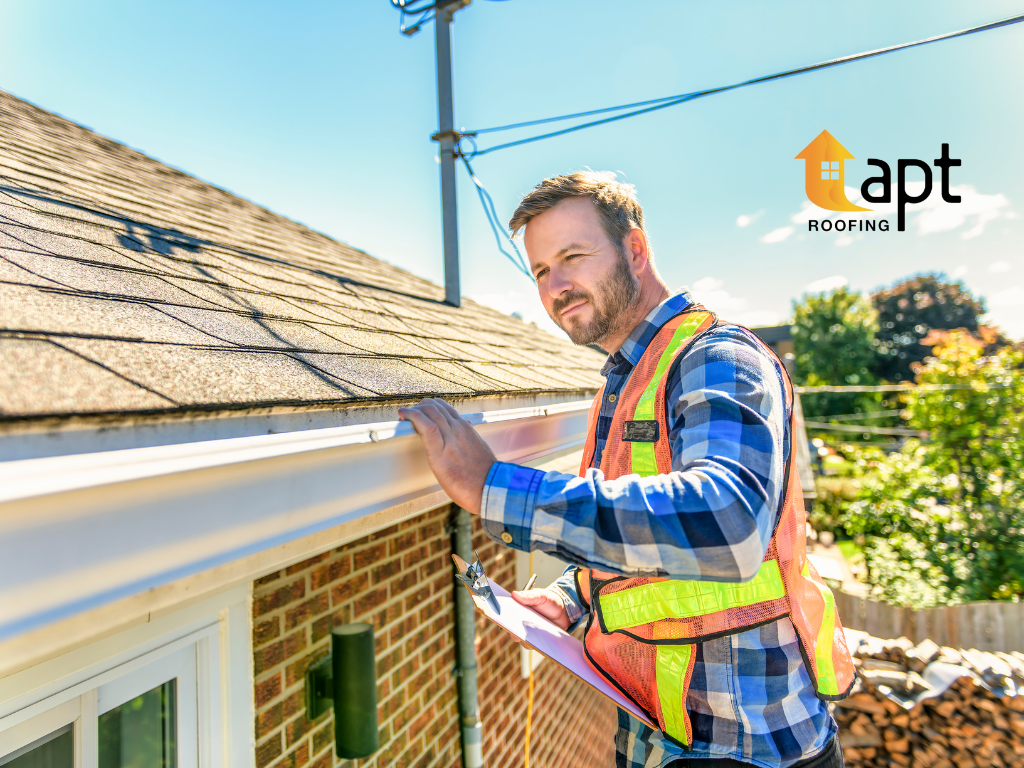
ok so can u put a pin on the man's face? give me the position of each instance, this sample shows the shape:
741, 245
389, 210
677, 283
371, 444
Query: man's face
586, 286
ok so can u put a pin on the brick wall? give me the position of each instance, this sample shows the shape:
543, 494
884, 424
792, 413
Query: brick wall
400, 580
572, 725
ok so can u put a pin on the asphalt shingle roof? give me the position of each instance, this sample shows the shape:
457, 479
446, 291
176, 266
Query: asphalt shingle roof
129, 286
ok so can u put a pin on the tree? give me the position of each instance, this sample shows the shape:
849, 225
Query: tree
834, 341
946, 517
912, 308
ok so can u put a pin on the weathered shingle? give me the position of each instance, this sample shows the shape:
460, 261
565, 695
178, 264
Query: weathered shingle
126, 285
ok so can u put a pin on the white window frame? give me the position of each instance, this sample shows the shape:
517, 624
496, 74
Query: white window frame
214, 686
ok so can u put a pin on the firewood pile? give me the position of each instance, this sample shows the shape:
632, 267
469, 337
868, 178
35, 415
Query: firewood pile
933, 707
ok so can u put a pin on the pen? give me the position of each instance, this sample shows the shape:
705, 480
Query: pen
530, 583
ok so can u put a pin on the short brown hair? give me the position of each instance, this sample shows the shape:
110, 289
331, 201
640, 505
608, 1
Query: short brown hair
615, 201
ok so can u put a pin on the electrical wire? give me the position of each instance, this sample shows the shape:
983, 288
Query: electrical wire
828, 389
863, 429
669, 101
492, 218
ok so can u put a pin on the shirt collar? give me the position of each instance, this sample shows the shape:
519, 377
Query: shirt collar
634, 347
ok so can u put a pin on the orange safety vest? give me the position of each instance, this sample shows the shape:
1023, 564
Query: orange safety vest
641, 631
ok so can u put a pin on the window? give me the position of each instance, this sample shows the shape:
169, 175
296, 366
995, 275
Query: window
142, 714
829, 170
54, 750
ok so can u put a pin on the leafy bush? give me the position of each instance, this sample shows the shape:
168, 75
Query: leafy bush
944, 520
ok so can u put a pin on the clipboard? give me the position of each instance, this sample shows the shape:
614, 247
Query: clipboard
544, 636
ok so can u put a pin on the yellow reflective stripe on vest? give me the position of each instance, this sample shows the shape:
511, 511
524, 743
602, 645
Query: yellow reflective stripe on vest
672, 662
642, 454
674, 599
827, 683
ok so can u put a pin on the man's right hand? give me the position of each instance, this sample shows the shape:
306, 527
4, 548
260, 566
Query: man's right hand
544, 602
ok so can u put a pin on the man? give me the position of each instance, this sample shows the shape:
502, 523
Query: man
734, 644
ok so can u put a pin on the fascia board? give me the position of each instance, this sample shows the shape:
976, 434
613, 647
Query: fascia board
79, 532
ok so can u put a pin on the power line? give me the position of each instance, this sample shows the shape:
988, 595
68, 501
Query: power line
492, 218
858, 416
826, 389
669, 101
866, 430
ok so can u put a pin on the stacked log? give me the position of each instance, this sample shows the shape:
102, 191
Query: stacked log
896, 717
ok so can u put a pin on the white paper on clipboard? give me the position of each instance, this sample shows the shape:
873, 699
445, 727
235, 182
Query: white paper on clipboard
553, 642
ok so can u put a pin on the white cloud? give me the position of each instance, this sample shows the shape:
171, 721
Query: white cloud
526, 304
1007, 311
710, 292
971, 215
747, 219
844, 240
959, 272
999, 266
778, 235
756, 318
1008, 297
826, 284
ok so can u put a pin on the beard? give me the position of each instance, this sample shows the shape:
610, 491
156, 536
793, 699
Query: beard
615, 296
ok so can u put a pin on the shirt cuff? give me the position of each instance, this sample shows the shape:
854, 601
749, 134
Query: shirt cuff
565, 588
509, 498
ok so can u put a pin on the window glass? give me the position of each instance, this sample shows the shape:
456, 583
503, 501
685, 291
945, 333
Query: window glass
141, 733
57, 750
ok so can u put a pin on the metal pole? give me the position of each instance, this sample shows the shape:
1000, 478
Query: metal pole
465, 650
446, 137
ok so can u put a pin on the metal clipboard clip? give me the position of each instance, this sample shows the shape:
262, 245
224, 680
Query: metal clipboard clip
475, 579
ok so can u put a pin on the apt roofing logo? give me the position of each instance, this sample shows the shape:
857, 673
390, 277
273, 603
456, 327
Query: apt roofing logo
825, 181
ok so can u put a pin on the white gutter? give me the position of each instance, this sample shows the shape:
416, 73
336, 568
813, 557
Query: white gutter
79, 532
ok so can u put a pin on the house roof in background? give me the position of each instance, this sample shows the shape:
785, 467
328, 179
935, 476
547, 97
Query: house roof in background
129, 286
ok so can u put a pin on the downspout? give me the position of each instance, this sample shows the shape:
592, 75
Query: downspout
465, 649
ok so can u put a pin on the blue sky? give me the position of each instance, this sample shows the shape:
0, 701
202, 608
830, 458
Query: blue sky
322, 111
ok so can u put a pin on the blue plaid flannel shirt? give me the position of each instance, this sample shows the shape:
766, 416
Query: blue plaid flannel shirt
750, 697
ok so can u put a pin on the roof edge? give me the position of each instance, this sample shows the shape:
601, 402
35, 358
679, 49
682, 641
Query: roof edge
32, 437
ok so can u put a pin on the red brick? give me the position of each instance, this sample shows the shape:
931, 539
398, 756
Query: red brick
293, 644
294, 703
323, 736
389, 661
329, 572
268, 720
403, 542
407, 580
386, 533
283, 595
370, 555
266, 631
324, 761
431, 530
416, 599
267, 579
295, 730
296, 672
268, 751
267, 657
368, 601
348, 589
415, 557
322, 627
384, 571
404, 628
295, 759
306, 564
267, 690
405, 671
305, 610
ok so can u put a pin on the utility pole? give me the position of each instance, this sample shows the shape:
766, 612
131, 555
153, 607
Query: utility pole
447, 137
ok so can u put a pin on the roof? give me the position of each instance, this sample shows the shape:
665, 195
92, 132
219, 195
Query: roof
129, 286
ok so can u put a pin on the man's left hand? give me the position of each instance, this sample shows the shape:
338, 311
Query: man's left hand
458, 456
